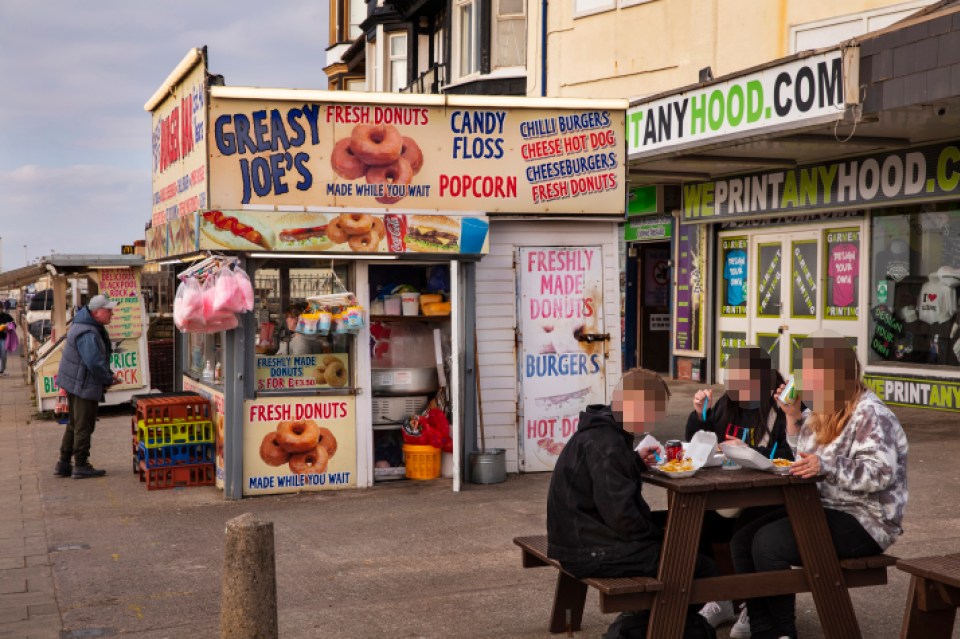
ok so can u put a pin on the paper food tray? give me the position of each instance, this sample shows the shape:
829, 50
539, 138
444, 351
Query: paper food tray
702, 449
746, 456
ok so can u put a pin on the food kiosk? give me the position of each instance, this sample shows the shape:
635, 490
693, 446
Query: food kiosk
73, 280
332, 203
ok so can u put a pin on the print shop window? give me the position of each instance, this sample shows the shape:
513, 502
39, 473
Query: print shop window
915, 278
468, 37
510, 33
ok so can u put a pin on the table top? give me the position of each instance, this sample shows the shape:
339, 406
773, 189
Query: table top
944, 568
715, 479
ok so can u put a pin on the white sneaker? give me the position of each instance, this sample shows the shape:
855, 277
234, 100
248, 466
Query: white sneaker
718, 613
741, 629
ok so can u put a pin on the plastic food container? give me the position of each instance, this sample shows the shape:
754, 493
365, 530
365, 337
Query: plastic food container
410, 303
391, 305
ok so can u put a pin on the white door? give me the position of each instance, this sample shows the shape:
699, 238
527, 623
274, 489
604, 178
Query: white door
561, 346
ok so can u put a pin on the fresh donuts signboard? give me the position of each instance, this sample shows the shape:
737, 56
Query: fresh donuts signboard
299, 444
344, 232
301, 153
284, 372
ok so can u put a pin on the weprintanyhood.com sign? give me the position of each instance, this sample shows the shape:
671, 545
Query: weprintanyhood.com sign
807, 90
925, 173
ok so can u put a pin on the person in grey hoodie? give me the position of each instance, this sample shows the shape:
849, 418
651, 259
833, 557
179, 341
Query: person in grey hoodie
851, 438
84, 374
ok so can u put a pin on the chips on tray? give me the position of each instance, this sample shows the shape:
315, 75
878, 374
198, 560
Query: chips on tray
677, 466
782, 463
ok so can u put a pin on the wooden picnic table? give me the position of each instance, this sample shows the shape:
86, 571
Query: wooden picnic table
933, 597
713, 488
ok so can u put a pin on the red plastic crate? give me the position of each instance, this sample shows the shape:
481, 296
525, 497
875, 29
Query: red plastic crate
177, 476
167, 410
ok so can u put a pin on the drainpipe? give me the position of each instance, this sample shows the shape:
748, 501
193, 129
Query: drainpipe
543, 48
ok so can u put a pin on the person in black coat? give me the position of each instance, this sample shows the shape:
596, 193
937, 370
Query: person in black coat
748, 412
598, 523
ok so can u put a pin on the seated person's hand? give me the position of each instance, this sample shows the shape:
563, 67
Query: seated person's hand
807, 466
735, 441
699, 398
792, 411
649, 455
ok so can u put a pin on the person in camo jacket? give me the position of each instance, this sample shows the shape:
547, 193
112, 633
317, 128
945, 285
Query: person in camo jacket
851, 438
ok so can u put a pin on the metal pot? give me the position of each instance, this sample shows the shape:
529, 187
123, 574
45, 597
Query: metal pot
405, 381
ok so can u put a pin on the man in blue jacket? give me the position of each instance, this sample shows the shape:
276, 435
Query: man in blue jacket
84, 375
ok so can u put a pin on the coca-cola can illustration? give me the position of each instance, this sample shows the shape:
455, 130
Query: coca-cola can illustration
396, 226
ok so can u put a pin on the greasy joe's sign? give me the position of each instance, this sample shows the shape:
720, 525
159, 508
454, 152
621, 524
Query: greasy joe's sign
307, 150
924, 173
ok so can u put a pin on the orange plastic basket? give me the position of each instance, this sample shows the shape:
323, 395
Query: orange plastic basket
423, 462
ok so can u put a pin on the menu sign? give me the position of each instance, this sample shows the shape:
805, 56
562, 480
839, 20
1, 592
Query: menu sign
769, 279
285, 372
316, 232
307, 153
803, 279
122, 285
842, 292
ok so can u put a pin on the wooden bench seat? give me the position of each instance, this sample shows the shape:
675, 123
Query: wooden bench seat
621, 594
933, 597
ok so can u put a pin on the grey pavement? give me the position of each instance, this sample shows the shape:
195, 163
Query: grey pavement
401, 560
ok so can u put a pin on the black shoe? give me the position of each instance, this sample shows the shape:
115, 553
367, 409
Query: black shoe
83, 471
63, 469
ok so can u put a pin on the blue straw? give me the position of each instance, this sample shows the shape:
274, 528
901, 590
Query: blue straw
656, 456
706, 403
746, 431
773, 451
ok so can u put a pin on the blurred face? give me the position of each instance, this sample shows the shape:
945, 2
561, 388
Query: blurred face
743, 386
102, 315
826, 385
291, 322
637, 408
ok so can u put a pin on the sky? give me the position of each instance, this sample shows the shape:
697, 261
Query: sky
74, 76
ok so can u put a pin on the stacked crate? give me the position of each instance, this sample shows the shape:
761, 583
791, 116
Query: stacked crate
173, 441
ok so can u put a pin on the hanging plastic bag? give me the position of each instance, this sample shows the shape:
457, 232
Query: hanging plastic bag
213, 320
242, 280
188, 306
13, 342
227, 296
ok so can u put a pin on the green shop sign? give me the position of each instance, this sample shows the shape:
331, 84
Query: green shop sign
643, 223
805, 90
921, 174
939, 394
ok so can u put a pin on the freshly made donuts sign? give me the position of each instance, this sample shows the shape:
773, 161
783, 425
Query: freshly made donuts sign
369, 156
299, 444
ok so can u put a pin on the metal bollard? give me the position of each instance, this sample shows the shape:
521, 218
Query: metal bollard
248, 608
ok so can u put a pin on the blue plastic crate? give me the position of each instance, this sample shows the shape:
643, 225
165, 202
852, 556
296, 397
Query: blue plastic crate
176, 455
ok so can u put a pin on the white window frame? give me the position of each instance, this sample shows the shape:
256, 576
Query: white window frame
584, 8
355, 4
458, 6
864, 18
623, 4
391, 58
496, 18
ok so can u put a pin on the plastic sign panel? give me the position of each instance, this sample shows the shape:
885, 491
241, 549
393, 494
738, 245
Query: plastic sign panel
179, 147
802, 91
299, 154
920, 392
561, 299
343, 232
280, 441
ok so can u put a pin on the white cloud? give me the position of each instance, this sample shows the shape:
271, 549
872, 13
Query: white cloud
77, 209
74, 139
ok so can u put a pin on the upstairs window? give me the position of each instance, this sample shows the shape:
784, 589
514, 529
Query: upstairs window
468, 41
510, 33
398, 61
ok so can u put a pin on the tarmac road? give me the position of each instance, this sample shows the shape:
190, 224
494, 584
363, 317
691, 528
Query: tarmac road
401, 560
